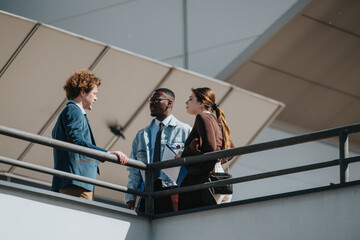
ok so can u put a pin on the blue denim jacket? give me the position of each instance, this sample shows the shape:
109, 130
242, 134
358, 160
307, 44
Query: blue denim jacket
174, 134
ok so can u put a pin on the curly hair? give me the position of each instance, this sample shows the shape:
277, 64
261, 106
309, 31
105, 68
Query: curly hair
82, 78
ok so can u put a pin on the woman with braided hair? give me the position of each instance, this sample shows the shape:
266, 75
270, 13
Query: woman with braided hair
209, 133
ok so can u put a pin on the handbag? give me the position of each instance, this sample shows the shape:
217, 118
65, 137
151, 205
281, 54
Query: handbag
216, 176
227, 189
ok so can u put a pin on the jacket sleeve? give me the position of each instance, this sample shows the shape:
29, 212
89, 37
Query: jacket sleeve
134, 177
73, 123
205, 143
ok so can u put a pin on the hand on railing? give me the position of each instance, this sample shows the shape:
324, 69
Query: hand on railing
121, 156
178, 155
131, 204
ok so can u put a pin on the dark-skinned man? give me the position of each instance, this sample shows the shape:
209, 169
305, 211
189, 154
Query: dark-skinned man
163, 129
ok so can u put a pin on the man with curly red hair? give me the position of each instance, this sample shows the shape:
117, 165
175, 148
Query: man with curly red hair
73, 126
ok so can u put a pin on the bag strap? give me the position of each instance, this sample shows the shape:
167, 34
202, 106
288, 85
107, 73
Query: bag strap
227, 164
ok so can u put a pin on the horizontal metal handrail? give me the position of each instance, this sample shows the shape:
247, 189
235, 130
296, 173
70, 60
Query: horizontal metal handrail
149, 194
256, 147
11, 132
51, 171
253, 177
181, 161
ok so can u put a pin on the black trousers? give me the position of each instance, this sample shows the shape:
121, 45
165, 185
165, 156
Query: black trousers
198, 198
163, 204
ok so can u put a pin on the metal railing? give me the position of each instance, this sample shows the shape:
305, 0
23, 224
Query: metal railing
149, 194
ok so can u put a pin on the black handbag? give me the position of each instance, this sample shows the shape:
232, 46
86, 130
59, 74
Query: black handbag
227, 189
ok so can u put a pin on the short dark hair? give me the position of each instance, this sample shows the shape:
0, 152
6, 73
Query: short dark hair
166, 91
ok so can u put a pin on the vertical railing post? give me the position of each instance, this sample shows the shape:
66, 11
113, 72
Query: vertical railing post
149, 188
344, 153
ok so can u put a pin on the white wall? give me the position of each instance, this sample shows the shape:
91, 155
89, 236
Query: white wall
33, 214
330, 215
27, 213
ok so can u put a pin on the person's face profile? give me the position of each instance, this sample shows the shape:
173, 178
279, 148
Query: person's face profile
193, 106
90, 98
160, 105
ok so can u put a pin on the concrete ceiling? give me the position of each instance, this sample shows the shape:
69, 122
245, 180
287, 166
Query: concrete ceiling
311, 63
35, 60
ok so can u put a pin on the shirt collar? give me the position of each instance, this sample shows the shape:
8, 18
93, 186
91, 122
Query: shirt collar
78, 104
165, 121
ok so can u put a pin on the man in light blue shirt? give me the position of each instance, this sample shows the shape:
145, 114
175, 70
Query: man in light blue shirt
174, 133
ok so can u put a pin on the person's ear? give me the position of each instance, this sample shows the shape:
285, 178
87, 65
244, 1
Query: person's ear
170, 103
82, 92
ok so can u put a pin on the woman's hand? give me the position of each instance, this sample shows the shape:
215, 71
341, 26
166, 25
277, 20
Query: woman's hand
121, 156
178, 155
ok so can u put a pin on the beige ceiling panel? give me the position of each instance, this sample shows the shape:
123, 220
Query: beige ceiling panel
339, 13
117, 174
121, 78
349, 114
316, 53
248, 114
5, 142
269, 83
40, 155
31, 88
13, 31
314, 112
128, 80
308, 105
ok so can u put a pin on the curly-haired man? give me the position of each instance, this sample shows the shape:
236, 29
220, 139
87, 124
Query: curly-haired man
72, 126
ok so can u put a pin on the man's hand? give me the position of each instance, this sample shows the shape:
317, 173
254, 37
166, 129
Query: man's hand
121, 156
131, 205
178, 155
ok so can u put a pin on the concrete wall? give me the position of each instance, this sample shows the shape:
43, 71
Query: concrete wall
330, 215
33, 214
29, 213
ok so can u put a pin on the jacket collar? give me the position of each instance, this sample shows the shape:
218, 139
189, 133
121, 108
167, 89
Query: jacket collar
77, 104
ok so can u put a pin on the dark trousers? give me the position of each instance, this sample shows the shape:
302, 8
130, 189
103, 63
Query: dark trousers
198, 198
162, 204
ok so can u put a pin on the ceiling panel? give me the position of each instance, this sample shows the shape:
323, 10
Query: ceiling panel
128, 80
315, 52
39, 155
310, 64
247, 114
36, 77
339, 13
118, 99
308, 105
12, 39
115, 173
